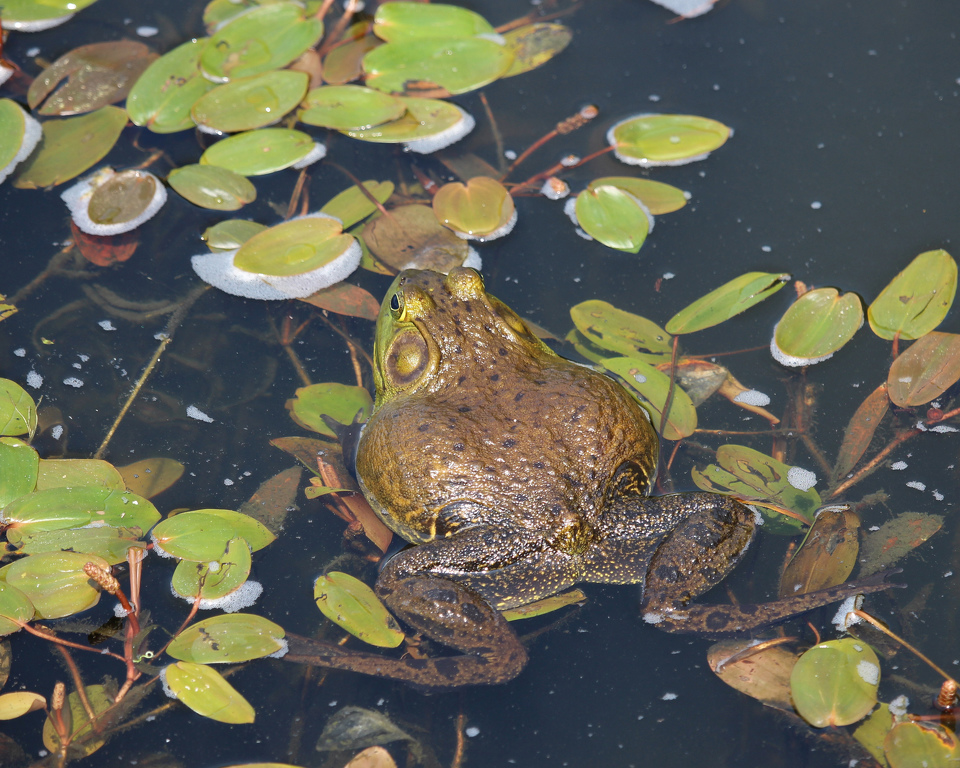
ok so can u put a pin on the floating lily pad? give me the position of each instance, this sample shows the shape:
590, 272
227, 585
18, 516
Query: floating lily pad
911, 744
614, 217
621, 332
105, 541
815, 326
38, 15
728, 300
763, 673
410, 237
251, 102
650, 140
231, 234
401, 21
835, 682
352, 606
656, 196
265, 38
872, 732
827, 555
78, 473
340, 402
55, 582
212, 187
653, 385
15, 609
427, 126
258, 152
14, 705
108, 203
98, 74
352, 205
71, 146
161, 99
533, 45
350, 107
207, 693
226, 639
916, 301
18, 411
19, 466
150, 477
295, 247
214, 580
926, 370
19, 136
482, 209
203, 535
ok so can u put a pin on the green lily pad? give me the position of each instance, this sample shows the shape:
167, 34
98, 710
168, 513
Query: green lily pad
55, 582
922, 373
911, 744
835, 682
481, 209
19, 135
427, 125
207, 693
255, 153
19, 466
97, 74
71, 146
161, 99
202, 535
872, 732
15, 609
457, 65
621, 332
230, 638
650, 140
728, 300
915, 301
77, 473
352, 206
18, 412
294, 247
340, 402
105, 541
656, 196
815, 326
349, 107
215, 580
251, 102
17, 12
533, 45
212, 187
653, 385
231, 234
353, 606
407, 21
14, 705
268, 37
613, 217
546, 605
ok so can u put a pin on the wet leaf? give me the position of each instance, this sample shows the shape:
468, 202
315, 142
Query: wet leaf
274, 499
815, 326
410, 21
230, 234
19, 134
481, 209
15, 609
927, 369
763, 674
84, 740
827, 555
411, 237
872, 732
339, 401
546, 605
353, 606
860, 430
251, 102
71, 146
619, 331
214, 580
18, 412
653, 385
105, 541
111, 203
916, 300
345, 299
212, 187
349, 107
268, 37
255, 153
352, 728
656, 196
650, 140
430, 121
306, 449
294, 247
14, 705
55, 582
896, 538
78, 473
727, 301
19, 465
151, 477
613, 217
533, 45
229, 638
20, 11
835, 682
352, 205
912, 744
96, 75
345, 62
202, 535
161, 99
104, 250
207, 693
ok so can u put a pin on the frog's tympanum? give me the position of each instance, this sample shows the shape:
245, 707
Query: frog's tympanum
517, 474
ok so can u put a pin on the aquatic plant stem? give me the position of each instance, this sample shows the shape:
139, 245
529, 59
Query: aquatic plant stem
78, 683
555, 169
457, 761
877, 625
68, 643
668, 402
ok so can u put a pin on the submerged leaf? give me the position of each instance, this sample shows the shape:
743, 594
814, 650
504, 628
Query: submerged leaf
827, 555
926, 370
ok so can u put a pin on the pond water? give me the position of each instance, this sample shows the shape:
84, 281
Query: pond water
842, 168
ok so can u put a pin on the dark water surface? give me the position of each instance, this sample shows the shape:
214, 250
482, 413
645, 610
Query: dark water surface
854, 106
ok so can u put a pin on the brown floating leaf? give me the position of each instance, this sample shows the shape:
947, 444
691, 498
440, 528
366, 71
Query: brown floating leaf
346, 299
859, 432
150, 477
827, 555
274, 498
758, 670
306, 449
97, 75
926, 370
895, 539
411, 237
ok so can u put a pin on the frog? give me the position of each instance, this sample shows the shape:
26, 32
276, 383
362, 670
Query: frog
515, 473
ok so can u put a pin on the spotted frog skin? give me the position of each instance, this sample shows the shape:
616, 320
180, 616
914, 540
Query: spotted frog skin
517, 474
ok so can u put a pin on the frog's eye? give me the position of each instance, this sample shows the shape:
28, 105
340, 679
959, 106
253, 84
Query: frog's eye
396, 305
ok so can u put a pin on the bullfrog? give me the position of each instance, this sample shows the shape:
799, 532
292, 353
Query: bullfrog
516, 473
